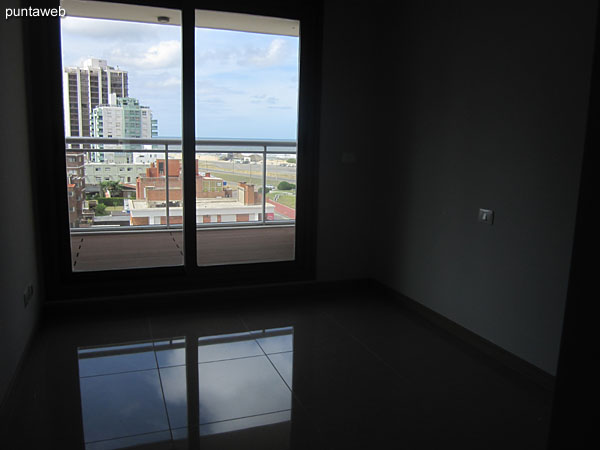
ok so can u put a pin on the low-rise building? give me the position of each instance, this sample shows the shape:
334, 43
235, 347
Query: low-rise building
152, 185
215, 203
97, 172
79, 214
143, 212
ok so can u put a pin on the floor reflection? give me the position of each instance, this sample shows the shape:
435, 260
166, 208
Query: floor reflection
137, 393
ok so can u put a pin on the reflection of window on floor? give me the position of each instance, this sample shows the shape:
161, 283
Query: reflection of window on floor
245, 380
136, 393
123, 395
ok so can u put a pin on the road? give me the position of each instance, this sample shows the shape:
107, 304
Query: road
274, 173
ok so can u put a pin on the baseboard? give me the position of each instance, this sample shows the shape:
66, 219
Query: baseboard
491, 350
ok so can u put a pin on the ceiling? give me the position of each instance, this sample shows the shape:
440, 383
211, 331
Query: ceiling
204, 19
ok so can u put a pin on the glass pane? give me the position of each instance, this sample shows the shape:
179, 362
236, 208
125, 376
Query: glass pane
229, 188
122, 113
281, 185
246, 105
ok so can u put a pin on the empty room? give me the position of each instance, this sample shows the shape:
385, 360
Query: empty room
294, 224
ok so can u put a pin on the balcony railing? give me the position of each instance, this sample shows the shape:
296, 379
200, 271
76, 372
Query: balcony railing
170, 146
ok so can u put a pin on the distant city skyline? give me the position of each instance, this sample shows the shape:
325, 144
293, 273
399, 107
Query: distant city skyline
246, 83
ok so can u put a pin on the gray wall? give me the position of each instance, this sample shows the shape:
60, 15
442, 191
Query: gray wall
355, 81
491, 113
449, 107
18, 255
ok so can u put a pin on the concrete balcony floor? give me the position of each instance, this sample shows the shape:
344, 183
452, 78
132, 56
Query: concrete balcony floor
106, 250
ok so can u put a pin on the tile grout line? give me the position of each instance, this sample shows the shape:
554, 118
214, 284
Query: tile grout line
273, 365
116, 373
160, 377
246, 417
230, 359
303, 408
269, 359
125, 437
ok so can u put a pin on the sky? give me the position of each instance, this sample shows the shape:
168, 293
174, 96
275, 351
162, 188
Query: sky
246, 83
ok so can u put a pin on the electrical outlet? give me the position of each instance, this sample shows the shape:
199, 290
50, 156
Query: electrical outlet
28, 294
486, 216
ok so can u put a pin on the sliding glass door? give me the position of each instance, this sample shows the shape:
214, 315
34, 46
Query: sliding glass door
127, 143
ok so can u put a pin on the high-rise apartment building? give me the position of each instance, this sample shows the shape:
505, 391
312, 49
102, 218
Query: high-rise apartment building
85, 88
123, 118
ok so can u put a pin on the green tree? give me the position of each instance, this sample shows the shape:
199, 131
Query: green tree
115, 189
285, 186
291, 160
101, 210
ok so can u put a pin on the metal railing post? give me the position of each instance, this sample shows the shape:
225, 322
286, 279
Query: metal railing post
167, 184
264, 196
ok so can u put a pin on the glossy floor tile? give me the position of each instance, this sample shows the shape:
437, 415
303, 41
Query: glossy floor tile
173, 381
122, 405
239, 388
228, 346
353, 373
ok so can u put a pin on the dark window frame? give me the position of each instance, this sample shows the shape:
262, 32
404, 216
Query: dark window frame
46, 138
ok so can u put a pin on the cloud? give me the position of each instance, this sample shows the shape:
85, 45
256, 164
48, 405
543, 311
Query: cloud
246, 83
212, 100
236, 55
270, 101
256, 99
165, 83
273, 54
207, 87
165, 54
107, 30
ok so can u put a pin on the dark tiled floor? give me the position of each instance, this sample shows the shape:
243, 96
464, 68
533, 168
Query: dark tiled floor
129, 250
357, 372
